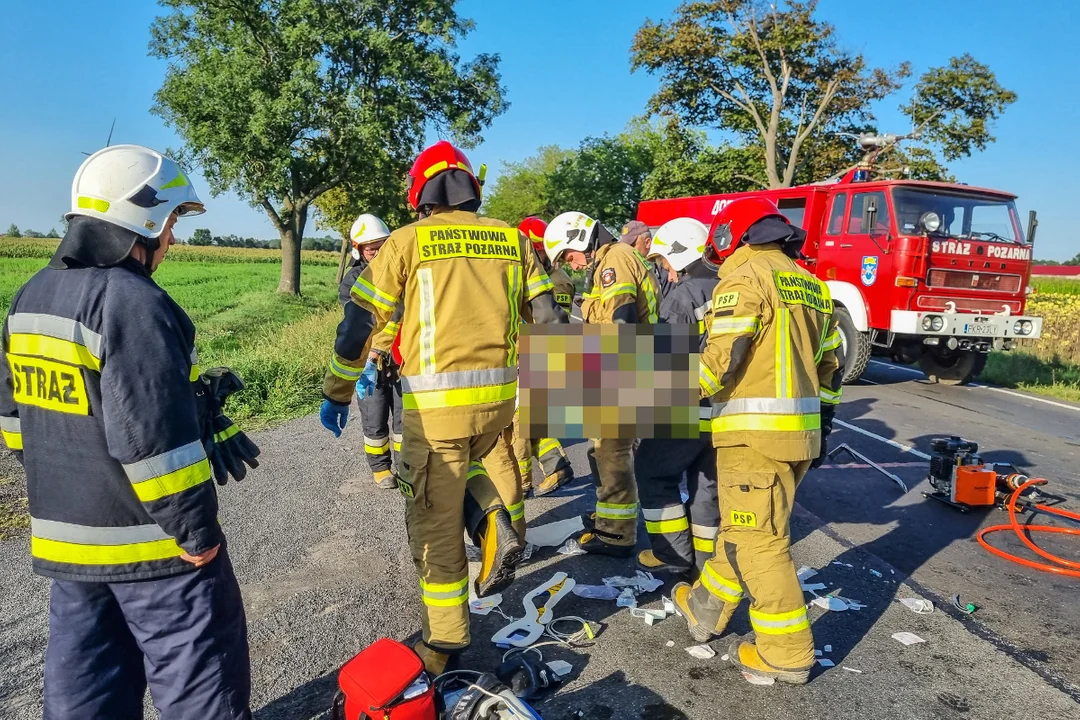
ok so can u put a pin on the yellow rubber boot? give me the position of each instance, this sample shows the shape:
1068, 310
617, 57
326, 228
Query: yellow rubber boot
500, 552
745, 657
386, 479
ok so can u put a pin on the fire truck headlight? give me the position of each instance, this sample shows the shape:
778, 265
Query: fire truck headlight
1022, 327
930, 222
933, 323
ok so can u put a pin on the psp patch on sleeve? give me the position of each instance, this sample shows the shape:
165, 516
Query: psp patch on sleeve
726, 300
607, 277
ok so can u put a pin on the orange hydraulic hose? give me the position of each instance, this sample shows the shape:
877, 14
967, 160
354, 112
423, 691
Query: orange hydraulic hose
1060, 566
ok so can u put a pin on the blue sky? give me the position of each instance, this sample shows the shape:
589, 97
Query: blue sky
69, 67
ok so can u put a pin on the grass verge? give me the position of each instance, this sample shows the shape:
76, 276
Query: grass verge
1019, 370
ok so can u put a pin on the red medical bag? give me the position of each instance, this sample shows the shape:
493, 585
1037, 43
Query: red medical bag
385, 682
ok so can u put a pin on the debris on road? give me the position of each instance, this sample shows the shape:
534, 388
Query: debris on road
484, 606
571, 548
968, 608
651, 617
597, 592
830, 603
560, 667
875, 573
642, 582
850, 670
826, 662
907, 638
554, 534
919, 606
701, 652
756, 680
828, 648
670, 643
627, 599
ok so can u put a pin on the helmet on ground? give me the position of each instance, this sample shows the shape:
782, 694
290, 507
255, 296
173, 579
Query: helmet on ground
731, 224
438, 158
134, 187
534, 228
569, 231
366, 230
681, 241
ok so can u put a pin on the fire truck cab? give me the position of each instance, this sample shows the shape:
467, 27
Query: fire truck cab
927, 272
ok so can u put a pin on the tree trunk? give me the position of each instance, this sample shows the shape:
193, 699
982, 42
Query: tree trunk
290, 262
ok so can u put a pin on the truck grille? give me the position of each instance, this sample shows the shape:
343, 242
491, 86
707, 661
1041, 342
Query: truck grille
985, 306
964, 279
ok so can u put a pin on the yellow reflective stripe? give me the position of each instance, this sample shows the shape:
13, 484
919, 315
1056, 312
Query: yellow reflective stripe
196, 371
538, 285
832, 342
445, 594
226, 433
777, 423
377, 449
513, 294
517, 511
392, 328
79, 554
171, 483
345, 372
381, 300
704, 545
459, 397
619, 289
736, 325
476, 468
721, 587
427, 321
595, 294
830, 397
547, 445
708, 380
50, 348
650, 301
397, 446
701, 327
12, 439
661, 527
783, 370
89, 203
616, 511
779, 623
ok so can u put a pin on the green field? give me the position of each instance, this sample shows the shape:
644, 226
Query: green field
278, 345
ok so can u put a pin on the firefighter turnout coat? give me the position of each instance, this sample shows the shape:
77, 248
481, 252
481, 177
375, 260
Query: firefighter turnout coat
620, 277
460, 322
563, 289
97, 392
770, 359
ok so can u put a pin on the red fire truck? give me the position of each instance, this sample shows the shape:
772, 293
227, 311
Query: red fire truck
919, 271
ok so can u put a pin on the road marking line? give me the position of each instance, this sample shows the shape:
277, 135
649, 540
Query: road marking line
864, 466
978, 385
887, 441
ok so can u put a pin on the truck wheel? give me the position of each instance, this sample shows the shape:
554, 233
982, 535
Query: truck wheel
951, 367
854, 346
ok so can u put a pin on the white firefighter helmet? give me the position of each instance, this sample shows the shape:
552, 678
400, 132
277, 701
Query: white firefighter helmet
681, 241
366, 230
569, 231
134, 187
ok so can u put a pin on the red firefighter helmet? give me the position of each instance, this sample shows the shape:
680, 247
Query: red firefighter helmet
533, 228
437, 158
735, 219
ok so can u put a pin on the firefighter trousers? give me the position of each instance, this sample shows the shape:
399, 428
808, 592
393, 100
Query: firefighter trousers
435, 481
503, 470
753, 558
376, 411
612, 463
184, 636
682, 534
551, 456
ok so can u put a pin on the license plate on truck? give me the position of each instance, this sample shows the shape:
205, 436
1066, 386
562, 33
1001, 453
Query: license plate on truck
978, 329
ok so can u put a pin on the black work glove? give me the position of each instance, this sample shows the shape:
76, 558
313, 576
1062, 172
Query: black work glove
227, 447
230, 450
823, 453
388, 373
827, 412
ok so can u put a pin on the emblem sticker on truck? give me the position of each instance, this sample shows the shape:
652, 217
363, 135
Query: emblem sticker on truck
869, 270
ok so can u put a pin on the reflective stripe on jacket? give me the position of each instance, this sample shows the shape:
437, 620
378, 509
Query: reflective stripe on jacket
620, 276
770, 352
97, 385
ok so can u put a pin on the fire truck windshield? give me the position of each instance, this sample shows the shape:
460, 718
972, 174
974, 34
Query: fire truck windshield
969, 216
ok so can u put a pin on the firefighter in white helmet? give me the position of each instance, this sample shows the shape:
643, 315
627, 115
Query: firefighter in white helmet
682, 534
380, 411
619, 288
102, 400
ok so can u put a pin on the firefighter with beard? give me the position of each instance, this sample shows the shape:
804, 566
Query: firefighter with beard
619, 288
465, 282
368, 233
103, 401
772, 372
682, 535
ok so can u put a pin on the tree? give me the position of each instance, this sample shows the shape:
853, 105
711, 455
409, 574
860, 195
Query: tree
201, 236
13, 231
282, 100
53, 233
603, 179
522, 188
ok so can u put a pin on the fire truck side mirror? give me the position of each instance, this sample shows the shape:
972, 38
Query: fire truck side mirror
1033, 223
869, 214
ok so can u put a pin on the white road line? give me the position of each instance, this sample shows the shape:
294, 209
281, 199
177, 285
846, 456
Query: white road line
1023, 396
887, 441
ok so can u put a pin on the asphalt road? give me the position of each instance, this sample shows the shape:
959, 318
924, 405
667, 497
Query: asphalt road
320, 553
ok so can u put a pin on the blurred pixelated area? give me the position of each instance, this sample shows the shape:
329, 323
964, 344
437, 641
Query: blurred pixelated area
581, 381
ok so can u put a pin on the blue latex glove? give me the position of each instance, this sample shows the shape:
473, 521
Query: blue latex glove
334, 416
365, 386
